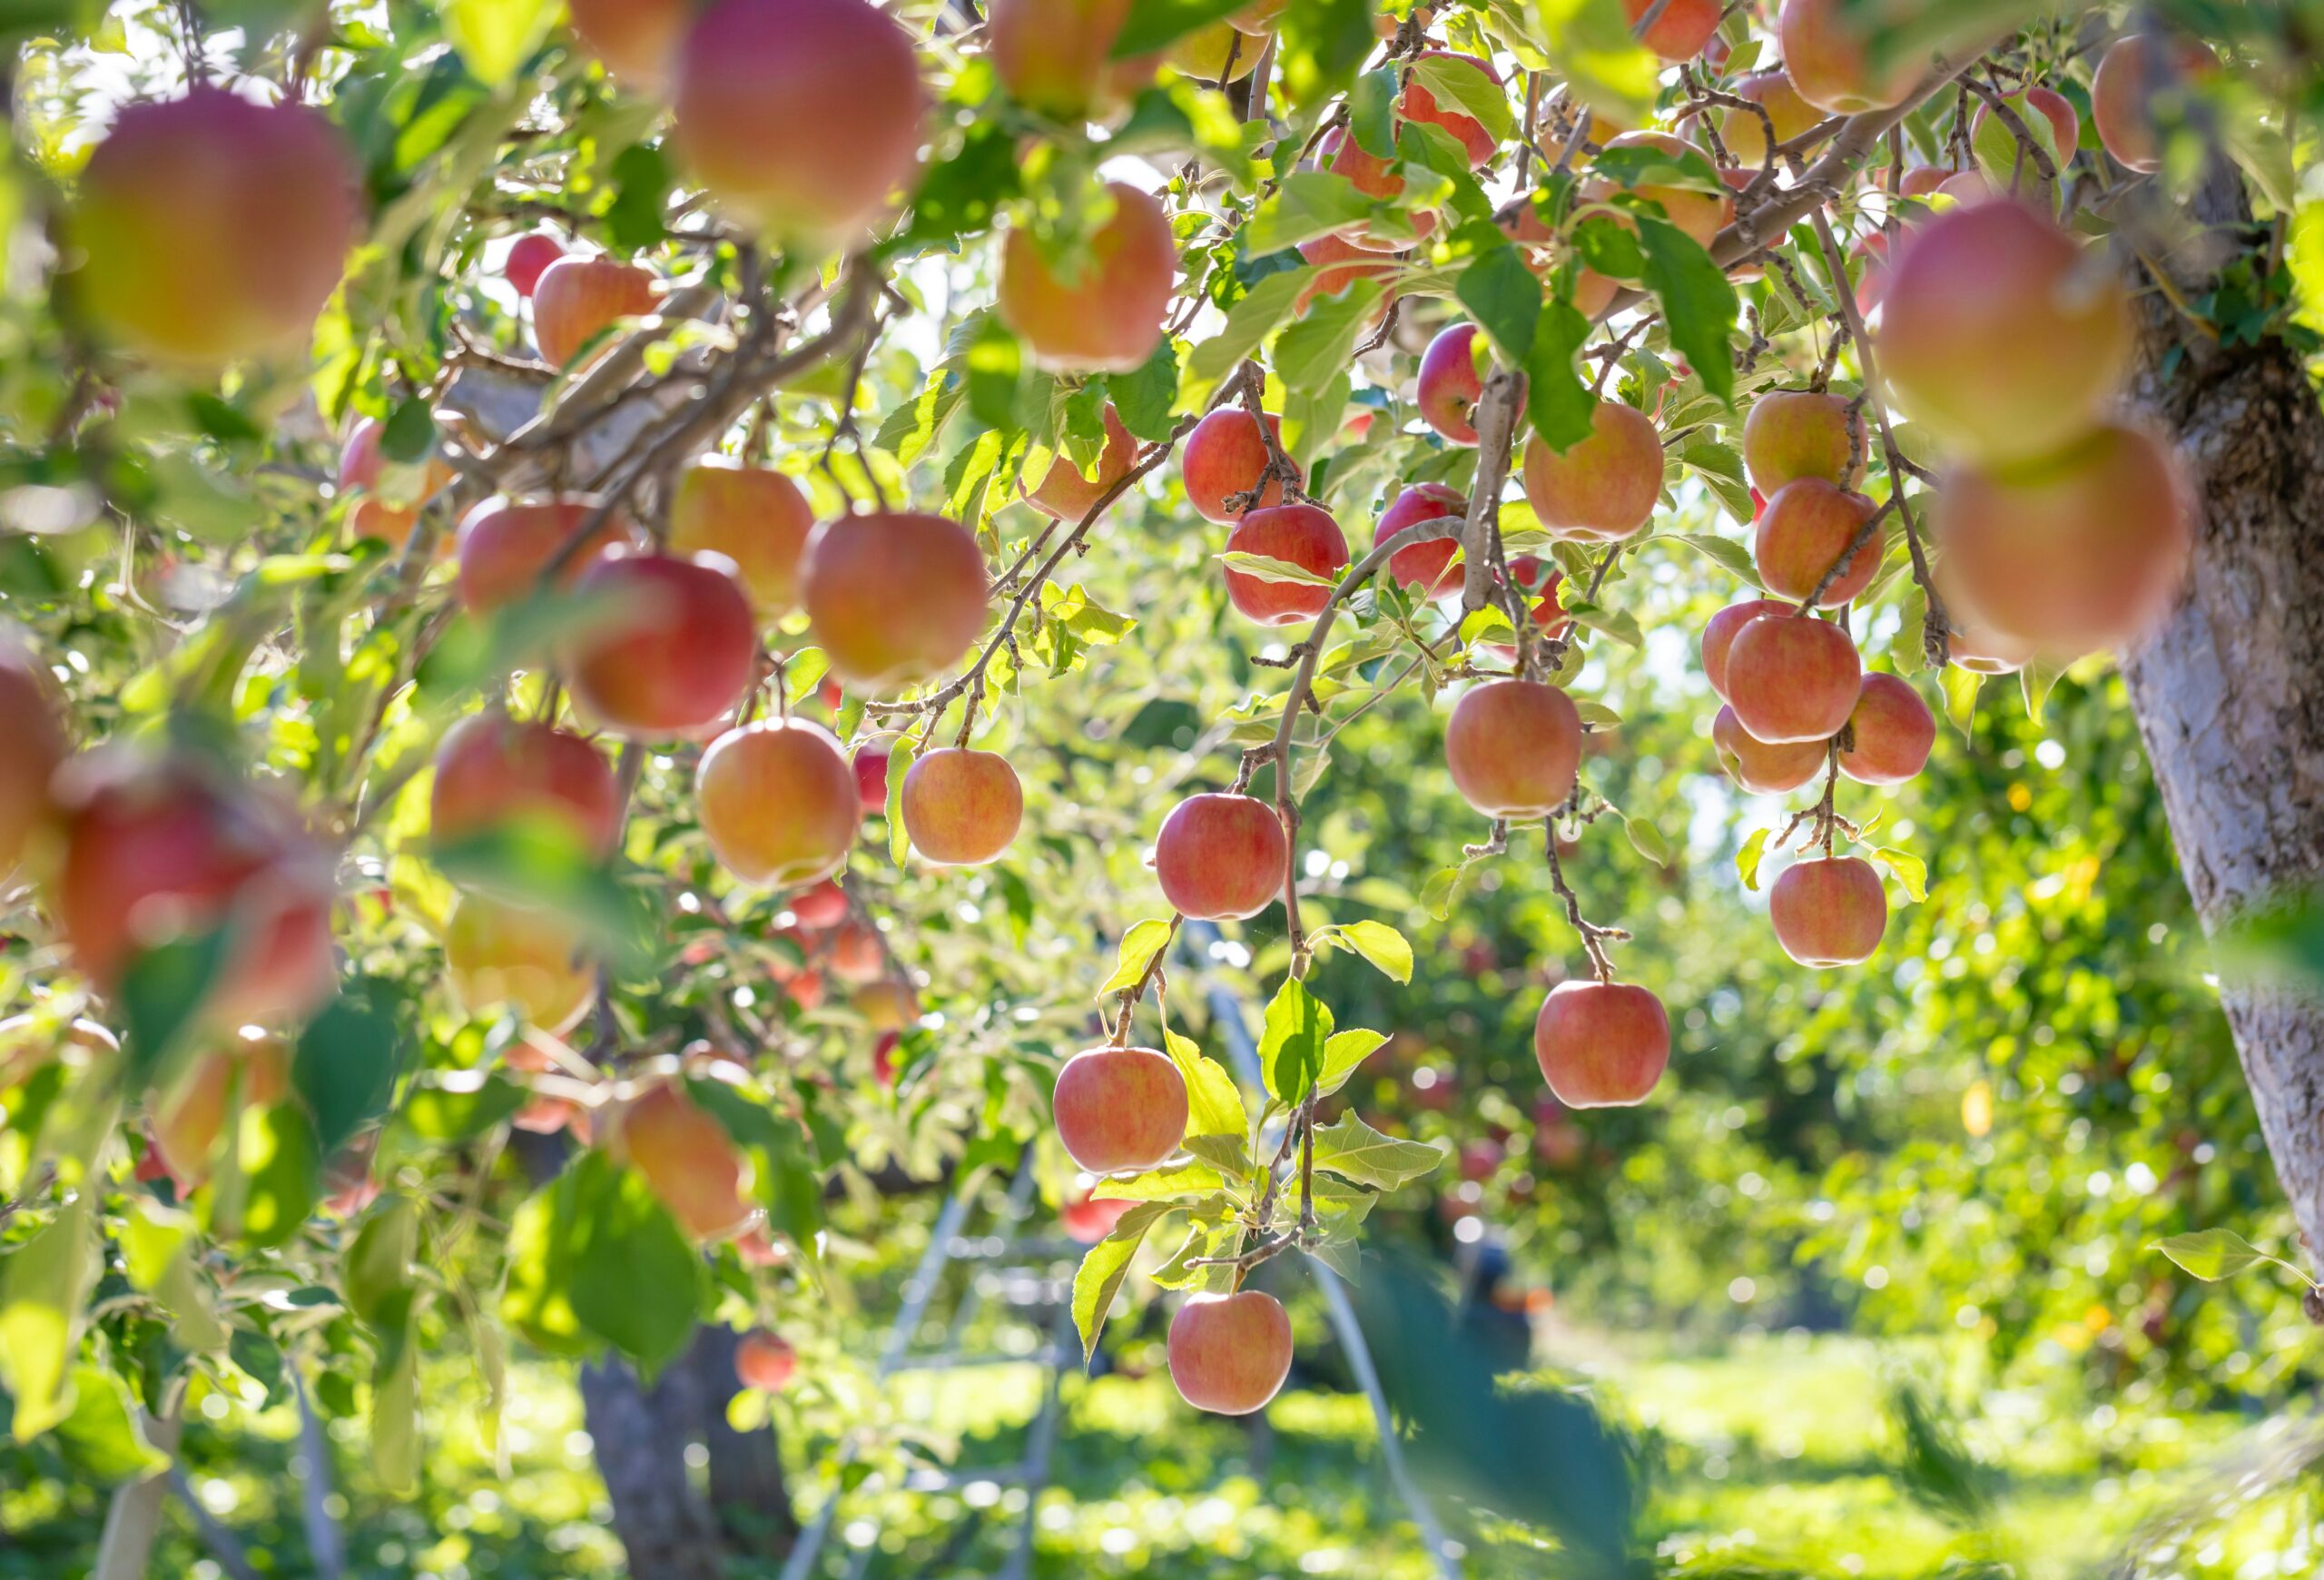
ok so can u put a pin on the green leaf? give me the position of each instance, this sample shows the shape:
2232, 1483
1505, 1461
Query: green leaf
1699, 302
1214, 1105
1248, 322
1343, 1053
1504, 296
1354, 1150
1261, 568
101, 1439
1909, 870
994, 363
595, 1259
44, 1287
395, 1420
162, 994
457, 1105
1309, 203
1100, 1277
1152, 23
1443, 888
1172, 1183
1556, 402
1291, 1046
1143, 399
281, 1169
1960, 688
2036, 680
1380, 943
1229, 1155
1372, 112
1647, 841
346, 1066
1590, 44
1320, 346
495, 37
1724, 552
376, 1275
1139, 945
410, 435
1748, 858
1455, 83
2211, 1254
641, 181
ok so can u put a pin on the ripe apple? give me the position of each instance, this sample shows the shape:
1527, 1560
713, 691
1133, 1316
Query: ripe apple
1702, 215
1605, 487
1221, 856
803, 117
822, 905
1222, 457
2081, 551
390, 508
894, 596
32, 721
1978, 648
492, 769
688, 1159
1339, 263
1893, 732
1301, 535
577, 299
1719, 633
2033, 106
778, 803
1513, 747
1450, 383
1376, 178
531, 960
1230, 1353
1119, 1108
1087, 1219
886, 1006
210, 227
1829, 911
1682, 30
1105, 315
765, 1362
1825, 55
1052, 56
2134, 94
161, 848
961, 807
1792, 677
1745, 135
1426, 566
755, 516
1807, 528
870, 766
505, 547
529, 259
1601, 1044
1760, 767
1065, 495
1799, 433
2002, 334
674, 651
1420, 104
1533, 575
856, 954
638, 40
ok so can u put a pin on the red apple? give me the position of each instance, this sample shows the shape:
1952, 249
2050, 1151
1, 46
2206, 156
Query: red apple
688, 1159
2002, 334
1052, 56
529, 259
893, 598
755, 516
1719, 634
1825, 54
578, 299
961, 807
1808, 527
1828, 911
1601, 1044
1894, 733
1760, 767
674, 651
778, 803
1222, 457
1087, 1219
2134, 94
803, 117
1104, 316
1339, 263
1065, 495
1301, 535
1420, 104
856, 953
870, 765
1230, 1353
1426, 566
492, 769
1450, 384
1792, 677
2081, 551
638, 40
1604, 488
390, 507
210, 227
1119, 1108
1220, 857
1682, 29
1702, 215
160, 848
765, 1362
1376, 178
821, 905
1533, 575
1513, 747
506, 547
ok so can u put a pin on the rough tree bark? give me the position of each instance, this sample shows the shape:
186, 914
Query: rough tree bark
2229, 692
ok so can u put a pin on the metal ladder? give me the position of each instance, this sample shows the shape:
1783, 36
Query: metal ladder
948, 1242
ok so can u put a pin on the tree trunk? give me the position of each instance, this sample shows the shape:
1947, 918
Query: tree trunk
671, 1527
2229, 692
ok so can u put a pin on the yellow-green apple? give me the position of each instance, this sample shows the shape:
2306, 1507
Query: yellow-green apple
688, 1159
638, 40
894, 596
578, 299
1745, 135
2133, 92
961, 807
1603, 488
777, 801
1826, 54
529, 960
32, 721
1066, 495
1101, 311
1801, 433
506, 546
1052, 56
